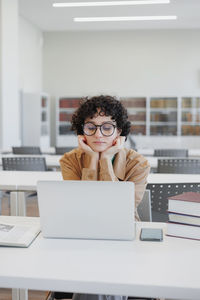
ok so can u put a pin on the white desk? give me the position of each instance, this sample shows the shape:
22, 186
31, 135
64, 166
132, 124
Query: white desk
53, 160
50, 150
173, 178
150, 152
168, 269
20, 181
146, 152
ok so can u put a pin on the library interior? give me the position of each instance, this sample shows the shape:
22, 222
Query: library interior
99, 91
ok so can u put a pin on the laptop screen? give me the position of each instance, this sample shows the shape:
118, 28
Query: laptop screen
87, 209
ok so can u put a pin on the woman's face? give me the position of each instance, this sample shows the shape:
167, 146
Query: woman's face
98, 142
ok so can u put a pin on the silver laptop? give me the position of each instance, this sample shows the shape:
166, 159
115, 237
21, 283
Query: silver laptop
87, 209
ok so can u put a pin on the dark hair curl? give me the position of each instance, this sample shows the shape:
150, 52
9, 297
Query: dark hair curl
108, 105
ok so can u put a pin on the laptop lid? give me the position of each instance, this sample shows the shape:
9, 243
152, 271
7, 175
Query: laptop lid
87, 209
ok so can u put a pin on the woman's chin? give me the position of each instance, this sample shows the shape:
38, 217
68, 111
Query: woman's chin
99, 148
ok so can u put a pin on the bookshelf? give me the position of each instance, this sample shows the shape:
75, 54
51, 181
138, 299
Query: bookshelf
166, 116
65, 107
190, 116
35, 111
151, 117
163, 116
137, 111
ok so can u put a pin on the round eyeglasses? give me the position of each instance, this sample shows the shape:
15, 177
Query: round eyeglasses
107, 129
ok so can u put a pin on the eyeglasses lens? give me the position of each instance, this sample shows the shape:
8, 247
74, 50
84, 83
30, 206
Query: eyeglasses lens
107, 129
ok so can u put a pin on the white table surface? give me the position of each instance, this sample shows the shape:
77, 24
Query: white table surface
18, 182
52, 160
146, 152
50, 150
173, 178
168, 269
150, 152
25, 180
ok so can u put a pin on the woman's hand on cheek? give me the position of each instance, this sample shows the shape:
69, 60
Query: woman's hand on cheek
118, 144
82, 144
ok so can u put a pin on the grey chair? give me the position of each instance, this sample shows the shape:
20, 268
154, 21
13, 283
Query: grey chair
160, 194
132, 142
171, 152
24, 164
144, 207
26, 150
62, 150
179, 166
59, 295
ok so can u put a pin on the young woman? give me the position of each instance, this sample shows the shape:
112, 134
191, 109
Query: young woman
102, 126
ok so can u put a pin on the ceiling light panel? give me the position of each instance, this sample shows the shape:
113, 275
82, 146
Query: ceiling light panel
110, 3
114, 19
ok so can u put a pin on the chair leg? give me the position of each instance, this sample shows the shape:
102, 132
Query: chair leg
50, 296
1, 195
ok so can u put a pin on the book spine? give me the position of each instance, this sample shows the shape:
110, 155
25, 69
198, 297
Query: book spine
182, 237
180, 223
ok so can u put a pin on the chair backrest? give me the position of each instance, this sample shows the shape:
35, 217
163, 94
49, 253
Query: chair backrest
144, 207
62, 150
26, 150
160, 194
132, 142
24, 164
171, 152
179, 166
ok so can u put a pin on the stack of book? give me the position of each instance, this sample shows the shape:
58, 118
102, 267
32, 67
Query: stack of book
184, 216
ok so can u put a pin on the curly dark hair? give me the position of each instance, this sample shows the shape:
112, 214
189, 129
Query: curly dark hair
108, 105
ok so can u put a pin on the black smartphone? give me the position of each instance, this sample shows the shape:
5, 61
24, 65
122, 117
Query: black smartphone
151, 234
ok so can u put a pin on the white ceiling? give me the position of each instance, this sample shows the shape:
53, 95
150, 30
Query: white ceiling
47, 18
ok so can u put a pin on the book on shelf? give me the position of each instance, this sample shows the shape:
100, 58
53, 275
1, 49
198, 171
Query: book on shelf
187, 203
18, 231
183, 230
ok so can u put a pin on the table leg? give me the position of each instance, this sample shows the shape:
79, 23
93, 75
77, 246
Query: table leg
15, 294
18, 208
1, 196
13, 204
17, 204
21, 204
19, 294
23, 294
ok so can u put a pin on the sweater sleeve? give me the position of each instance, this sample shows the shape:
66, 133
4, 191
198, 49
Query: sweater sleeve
71, 170
106, 172
137, 171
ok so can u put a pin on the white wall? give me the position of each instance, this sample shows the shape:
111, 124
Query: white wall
126, 63
30, 63
30, 57
164, 62
9, 73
